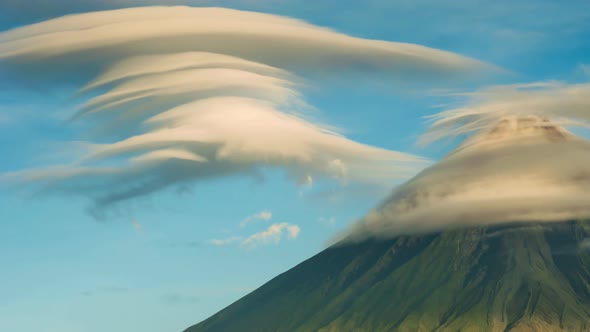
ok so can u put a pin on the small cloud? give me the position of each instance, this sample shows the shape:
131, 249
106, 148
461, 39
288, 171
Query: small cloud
293, 231
273, 234
584, 69
226, 241
138, 227
262, 215
331, 221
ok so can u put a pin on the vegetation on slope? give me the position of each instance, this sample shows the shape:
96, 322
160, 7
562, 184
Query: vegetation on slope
527, 277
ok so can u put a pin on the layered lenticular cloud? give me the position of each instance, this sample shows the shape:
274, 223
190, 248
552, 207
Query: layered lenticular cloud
178, 94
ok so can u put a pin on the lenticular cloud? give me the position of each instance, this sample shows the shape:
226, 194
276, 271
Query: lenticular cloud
178, 94
270, 39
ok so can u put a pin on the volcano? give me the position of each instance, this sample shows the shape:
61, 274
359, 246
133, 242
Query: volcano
472, 243
517, 277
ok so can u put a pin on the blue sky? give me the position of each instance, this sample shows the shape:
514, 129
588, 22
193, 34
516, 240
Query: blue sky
150, 265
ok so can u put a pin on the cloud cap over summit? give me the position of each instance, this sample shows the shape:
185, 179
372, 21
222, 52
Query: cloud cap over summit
522, 169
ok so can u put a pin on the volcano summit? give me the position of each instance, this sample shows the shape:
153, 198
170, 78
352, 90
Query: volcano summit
520, 169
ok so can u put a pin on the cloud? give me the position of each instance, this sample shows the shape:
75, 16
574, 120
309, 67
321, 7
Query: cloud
274, 40
293, 231
565, 104
262, 215
226, 241
273, 234
173, 95
521, 164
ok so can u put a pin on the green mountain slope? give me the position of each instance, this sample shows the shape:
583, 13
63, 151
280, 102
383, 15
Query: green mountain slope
533, 277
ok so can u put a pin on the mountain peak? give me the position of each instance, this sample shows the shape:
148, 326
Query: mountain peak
519, 130
524, 168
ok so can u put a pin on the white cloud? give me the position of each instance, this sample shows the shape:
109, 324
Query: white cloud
270, 39
273, 234
293, 231
262, 215
172, 105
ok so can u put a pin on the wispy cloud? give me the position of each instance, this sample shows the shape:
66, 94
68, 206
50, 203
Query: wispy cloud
273, 234
226, 241
262, 215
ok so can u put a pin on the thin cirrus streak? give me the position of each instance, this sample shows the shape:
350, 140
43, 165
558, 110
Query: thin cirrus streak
182, 94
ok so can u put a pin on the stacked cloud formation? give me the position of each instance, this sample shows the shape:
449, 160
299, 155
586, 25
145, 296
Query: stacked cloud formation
178, 94
520, 166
